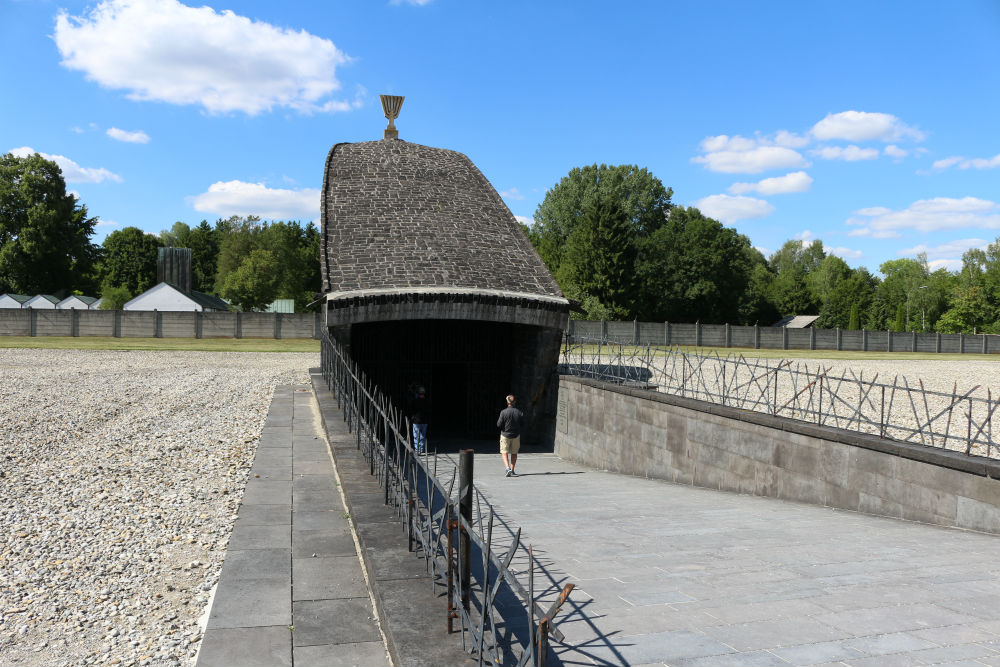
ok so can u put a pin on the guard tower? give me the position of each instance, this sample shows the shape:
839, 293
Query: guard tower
430, 280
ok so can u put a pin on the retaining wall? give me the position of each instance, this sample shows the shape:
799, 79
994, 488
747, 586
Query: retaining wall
682, 440
157, 324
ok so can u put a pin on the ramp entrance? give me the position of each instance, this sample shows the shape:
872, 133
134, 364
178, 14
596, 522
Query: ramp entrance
465, 366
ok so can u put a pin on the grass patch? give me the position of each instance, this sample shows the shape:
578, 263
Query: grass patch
841, 355
184, 344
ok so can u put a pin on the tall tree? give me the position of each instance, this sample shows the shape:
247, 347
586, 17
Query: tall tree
849, 299
903, 278
44, 231
255, 282
599, 259
641, 197
693, 268
793, 264
129, 261
204, 246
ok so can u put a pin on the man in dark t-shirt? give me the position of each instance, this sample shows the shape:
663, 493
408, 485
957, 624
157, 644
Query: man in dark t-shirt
510, 422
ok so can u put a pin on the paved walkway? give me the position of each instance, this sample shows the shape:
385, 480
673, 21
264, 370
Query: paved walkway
681, 576
292, 590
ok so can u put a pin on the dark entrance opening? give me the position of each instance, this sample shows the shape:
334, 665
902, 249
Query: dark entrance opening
466, 367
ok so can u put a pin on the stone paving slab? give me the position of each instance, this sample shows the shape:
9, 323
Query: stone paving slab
412, 609
292, 590
668, 574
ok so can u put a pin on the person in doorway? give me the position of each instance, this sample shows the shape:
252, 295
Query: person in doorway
510, 422
420, 416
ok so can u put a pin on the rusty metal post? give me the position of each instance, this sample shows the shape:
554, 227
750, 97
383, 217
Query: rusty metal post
452, 526
465, 510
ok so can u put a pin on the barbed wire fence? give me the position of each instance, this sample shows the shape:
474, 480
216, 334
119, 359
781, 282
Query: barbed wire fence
900, 409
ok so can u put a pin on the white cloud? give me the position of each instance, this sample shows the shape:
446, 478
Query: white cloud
137, 137
727, 208
106, 223
790, 139
842, 252
162, 50
874, 210
964, 163
241, 198
796, 181
744, 156
525, 220
850, 153
864, 126
928, 215
805, 236
72, 172
949, 249
513, 193
894, 151
948, 264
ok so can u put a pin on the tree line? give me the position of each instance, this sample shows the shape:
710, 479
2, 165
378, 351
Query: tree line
46, 248
620, 248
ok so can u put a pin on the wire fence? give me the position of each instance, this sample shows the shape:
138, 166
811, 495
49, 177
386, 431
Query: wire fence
905, 411
502, 621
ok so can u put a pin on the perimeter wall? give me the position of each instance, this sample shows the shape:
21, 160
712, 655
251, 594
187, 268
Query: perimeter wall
780, 338
158, 324
649, 434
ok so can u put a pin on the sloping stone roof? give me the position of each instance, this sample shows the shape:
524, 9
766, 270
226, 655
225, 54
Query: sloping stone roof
399, 216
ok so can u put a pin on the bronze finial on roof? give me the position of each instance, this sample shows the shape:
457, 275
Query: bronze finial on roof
391, 104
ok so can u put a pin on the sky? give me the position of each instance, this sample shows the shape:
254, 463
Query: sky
871, 126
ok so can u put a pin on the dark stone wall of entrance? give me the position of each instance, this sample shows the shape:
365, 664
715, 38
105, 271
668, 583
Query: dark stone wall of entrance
467, 368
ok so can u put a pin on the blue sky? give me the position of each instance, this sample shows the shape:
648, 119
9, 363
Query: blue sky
872, 126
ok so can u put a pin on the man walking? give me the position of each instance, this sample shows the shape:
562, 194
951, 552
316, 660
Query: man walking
510, 423
420, 414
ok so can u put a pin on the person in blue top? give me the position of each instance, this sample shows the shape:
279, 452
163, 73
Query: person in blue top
510, 422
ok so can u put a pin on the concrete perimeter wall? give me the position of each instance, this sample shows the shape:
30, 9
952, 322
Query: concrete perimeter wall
779, 338
681, 440
157, 324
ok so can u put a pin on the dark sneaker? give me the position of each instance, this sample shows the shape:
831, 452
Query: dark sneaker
509, 472
512, 473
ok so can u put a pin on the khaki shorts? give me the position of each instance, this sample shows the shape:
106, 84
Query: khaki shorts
510, 445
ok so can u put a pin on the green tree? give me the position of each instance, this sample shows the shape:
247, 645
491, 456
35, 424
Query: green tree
44, 232
113, 298
693, 268
899, 324
129, 260
204, 256
853, 297
902, 279
641, 196
792, 265
828, 274
599, 259
970, 312
176, 237
255, 282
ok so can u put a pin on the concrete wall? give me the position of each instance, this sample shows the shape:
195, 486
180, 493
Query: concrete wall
691, 442
779, 338
143, 324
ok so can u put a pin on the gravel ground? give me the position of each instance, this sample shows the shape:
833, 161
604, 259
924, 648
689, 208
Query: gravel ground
120, 476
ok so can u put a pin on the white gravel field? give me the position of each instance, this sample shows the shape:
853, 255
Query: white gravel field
120, 476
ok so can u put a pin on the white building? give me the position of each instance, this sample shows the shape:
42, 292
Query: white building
42, 301
77, 302
13, 300
167, 297
97, 304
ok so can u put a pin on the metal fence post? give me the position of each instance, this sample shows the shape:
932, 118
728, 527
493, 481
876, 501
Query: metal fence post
784, 338
277, 325
729, 336
864, 340
961, 343
239, 324
697, 334
812, 338
199, 324
756, 337
888, 340
838, 339
913, 342
75, 327
157, 323
635, 331
937, 344
465, 510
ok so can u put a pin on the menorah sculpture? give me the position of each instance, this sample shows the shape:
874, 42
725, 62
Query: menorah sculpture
391, 104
